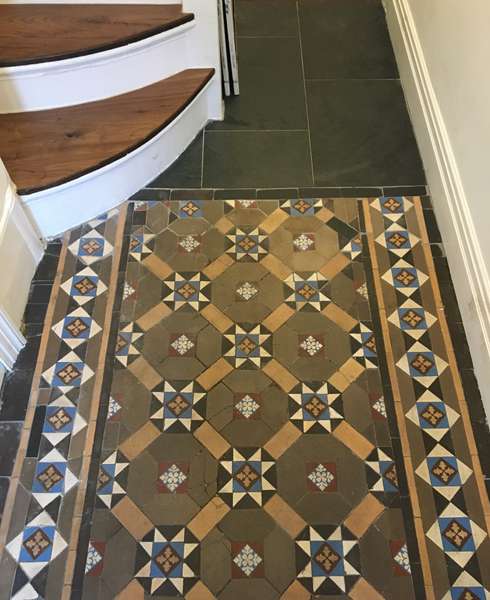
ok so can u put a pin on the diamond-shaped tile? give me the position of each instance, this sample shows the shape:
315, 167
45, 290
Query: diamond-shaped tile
248, 560
456, 534
405, 278
422, 364
246, 406
246, 291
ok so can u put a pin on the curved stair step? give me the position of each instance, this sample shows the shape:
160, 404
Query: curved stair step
34, 33
43, 149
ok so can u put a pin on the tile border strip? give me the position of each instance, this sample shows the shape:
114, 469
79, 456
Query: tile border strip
97, 393
462, 402
422, 542
29, 416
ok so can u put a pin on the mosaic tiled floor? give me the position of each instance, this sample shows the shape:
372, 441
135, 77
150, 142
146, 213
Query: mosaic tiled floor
248, 400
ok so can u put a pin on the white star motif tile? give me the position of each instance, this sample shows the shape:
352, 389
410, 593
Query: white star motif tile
311, 345
321, 477
93, 558
182, 344
362, 290
247, 290
173, 478
380, 407
247, 560
247, 406
114, 408
402, 559
304, 242
128, 290
189, 243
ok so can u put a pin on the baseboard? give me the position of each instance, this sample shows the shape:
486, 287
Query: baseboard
20, 252
468, 269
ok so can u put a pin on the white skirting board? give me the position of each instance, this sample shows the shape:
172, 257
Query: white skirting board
468, 267
65, 206
20, 252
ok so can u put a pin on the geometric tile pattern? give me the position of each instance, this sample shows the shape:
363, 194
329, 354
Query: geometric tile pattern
167, 561
327, 560
248, 445
178, 406
246, 477
315, 407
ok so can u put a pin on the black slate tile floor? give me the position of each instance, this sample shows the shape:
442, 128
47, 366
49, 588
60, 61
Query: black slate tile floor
16, 386
361, 134
316, 70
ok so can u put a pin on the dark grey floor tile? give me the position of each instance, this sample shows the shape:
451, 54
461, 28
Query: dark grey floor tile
266, 17
361, 134
185, 171
146, 195
4, 488
406, 190
9, 443
271, 87
17, 388
201, 194
237, 194
345, 38
256, 159
339, 192
280, 193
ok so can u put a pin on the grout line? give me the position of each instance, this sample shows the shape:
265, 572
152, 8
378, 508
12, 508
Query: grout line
266, 37
352, 79
306, 96
257, 130
327, 187
202, 155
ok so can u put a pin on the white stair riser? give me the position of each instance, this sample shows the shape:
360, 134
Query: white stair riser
96, 76
65, 206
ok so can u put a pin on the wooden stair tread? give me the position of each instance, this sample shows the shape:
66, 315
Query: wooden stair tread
46, 148
32, 33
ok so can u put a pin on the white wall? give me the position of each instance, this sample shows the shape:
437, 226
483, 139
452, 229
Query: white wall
443, 52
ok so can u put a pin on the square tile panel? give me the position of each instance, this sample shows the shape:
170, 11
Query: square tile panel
246, 442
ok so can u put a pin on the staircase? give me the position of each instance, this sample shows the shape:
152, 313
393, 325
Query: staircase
97, 99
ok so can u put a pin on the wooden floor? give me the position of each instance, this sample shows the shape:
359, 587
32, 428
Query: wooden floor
45, 148
31, 33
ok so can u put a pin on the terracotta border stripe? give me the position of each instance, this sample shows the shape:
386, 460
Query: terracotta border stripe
400, 416
94, 406
463, 405
33, 397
